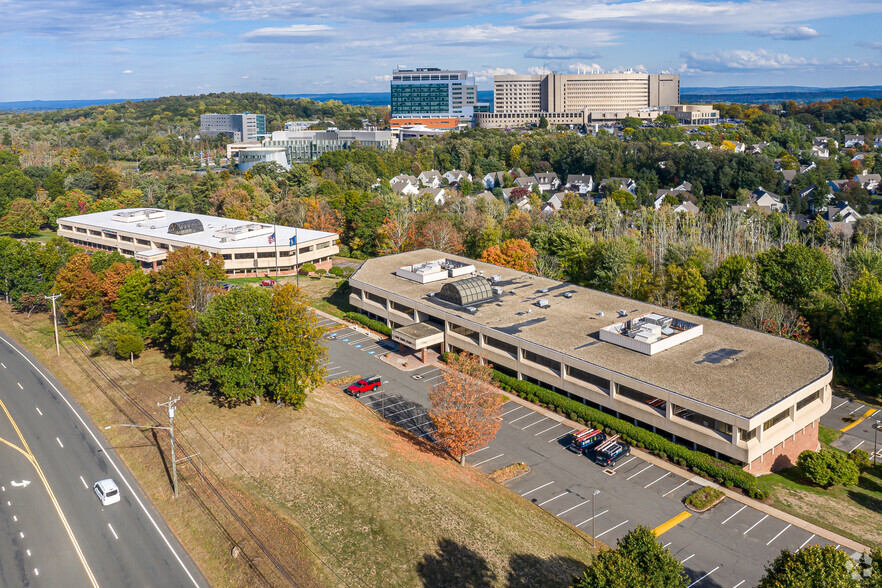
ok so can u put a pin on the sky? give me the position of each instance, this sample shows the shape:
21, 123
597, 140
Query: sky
92, 49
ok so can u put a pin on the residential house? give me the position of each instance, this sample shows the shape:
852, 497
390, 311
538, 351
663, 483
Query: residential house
763, 198
870, 182
580, 184
493, 180
734, 146
527, 182
554, 203
788, 174
508, 197
688, 207
808, 167
701, 145
430, 179
662, 193
517, 172
756, 148
821, 152
683, 187
547, 181
437, 195
824, 141
404, 185
877, 141
454, 176
624, 183
841, 212
486, 196
854, 141
838, 185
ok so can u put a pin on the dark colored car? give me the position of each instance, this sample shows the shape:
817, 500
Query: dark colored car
607, 456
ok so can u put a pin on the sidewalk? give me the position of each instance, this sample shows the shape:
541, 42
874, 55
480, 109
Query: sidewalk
732, 495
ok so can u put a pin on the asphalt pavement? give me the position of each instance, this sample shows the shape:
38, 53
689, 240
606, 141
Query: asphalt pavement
56, 530
861, 426
727, 546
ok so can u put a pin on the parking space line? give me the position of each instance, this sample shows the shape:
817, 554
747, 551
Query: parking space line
625, 463
677, 488
755, 524
844, 402
546, 430
539, 488
860, 406
486, 460
588, 520
522, 417
638, 473
670, 524
732, 515
559, 438
573, 507
411, 418
512, 410
703, 577
478, 450
739, 583
434, 378
687, 559
658, 480
555, 498
338, 373
665, 546
608, 530
779, 534
536, 423
369, 395
385, 406
856, 446
806, 541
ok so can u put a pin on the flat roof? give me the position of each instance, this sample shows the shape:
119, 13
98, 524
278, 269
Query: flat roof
157, 229
728, 367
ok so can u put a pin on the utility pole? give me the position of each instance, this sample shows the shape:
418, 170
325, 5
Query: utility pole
53, 298
594, 519
171, 430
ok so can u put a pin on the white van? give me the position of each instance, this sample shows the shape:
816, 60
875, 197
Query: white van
107, 492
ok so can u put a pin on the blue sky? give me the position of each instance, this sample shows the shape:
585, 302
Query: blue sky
88, 49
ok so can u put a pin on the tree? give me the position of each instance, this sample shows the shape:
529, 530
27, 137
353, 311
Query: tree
230, 348
638, 561
688, 286
112, 279
632, 122
297, 356
734, 288
792, 273
336, 271
23, 218
465, 408
13, 185
442, 235
810, 567
543, 122
624, 199
132, 300
80, 292
516, 254
398, 231
121, 339
667, 121
307, 268
776, 318
828, 467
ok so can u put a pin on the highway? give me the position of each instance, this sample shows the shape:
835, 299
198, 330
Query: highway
56, 531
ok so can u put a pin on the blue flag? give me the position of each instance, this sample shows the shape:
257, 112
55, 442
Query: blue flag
293, 241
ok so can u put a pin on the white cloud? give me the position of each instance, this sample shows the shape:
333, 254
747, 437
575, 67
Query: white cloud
789, 33
559, 52
127, 71
487, 74
295, 33
245, 77
870, 44
537, 70
383, 78
585, 68
738, 60
108, 93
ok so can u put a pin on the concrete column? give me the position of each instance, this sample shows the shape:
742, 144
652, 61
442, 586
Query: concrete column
669, 410
613, 390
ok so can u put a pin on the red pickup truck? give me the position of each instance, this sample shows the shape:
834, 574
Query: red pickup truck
364, 385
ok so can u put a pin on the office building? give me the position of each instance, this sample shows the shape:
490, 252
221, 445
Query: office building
248, 249
428, 93
743, 395
310, 145
239, 127
249, 157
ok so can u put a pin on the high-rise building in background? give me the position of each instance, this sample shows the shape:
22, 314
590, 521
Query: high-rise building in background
434, 97
239, 127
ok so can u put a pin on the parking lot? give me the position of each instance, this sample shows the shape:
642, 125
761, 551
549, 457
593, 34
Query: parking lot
727, 546
856, 421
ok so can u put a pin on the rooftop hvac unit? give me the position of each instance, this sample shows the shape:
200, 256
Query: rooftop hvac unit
623, 313
600, 313
495, 278
543, 290
431, 294
543, 303
568, 294
497, 290
471, 309
499, 303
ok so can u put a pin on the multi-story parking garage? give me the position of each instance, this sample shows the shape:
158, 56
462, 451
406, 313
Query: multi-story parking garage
744, 395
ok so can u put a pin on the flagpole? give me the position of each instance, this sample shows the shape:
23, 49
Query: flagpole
296, 258
276, 243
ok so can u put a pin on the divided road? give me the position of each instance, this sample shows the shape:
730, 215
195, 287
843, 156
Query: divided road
728, 546
56, 531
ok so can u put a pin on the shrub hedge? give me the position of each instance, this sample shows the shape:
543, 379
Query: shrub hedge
703, 498
370, 323
705, 465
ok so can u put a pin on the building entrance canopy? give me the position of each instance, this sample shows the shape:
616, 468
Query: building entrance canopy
418, 336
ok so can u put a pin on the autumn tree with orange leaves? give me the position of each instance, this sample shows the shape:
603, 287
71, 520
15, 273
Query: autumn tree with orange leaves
398, 231
516, 254
465, 406
321, 217
441, 234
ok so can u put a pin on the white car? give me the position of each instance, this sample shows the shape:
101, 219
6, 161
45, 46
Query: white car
107, 492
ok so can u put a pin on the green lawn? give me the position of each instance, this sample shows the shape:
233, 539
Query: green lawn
827, 435
40, 236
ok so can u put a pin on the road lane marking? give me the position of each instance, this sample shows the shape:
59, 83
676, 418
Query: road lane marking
59, 442
86, 486
28, 552
539, 488
486, 460
677, 488
21, 534
755, 524
687, 559
703, 577
4, 365
546, 430
14, 519
608, 530
730, 517
38, 411
115, 536
860, 406
36, 572
859, 421
667, 526
625, 463
603, 512
573, 507
522, 417
555, 498
658, 480
844, 402
20, 386
778, 535
536, 423
806, 541
638, 473
856, 446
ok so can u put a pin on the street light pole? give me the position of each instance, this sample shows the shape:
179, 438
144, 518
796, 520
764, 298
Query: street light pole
55, 297
594, 518
875, 443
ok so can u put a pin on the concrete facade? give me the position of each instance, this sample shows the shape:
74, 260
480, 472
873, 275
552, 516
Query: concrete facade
430, 92
310, 145
732, 392
248, 249
239, 127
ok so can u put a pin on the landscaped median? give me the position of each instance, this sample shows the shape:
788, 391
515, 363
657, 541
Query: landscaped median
702, 464
380, 327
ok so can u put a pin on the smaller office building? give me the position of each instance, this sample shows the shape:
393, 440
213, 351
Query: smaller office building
239, 127
310, 145
248, 248
743, 395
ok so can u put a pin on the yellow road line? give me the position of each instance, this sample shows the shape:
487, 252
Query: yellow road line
665, 527
17, 448
30, 455
859, 421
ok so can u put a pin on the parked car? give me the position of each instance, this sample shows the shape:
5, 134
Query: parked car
268, 283
107, 491
364, 385
585, 439
609, 453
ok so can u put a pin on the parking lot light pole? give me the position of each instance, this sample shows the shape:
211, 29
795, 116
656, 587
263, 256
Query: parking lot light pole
594, 518
875, 443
